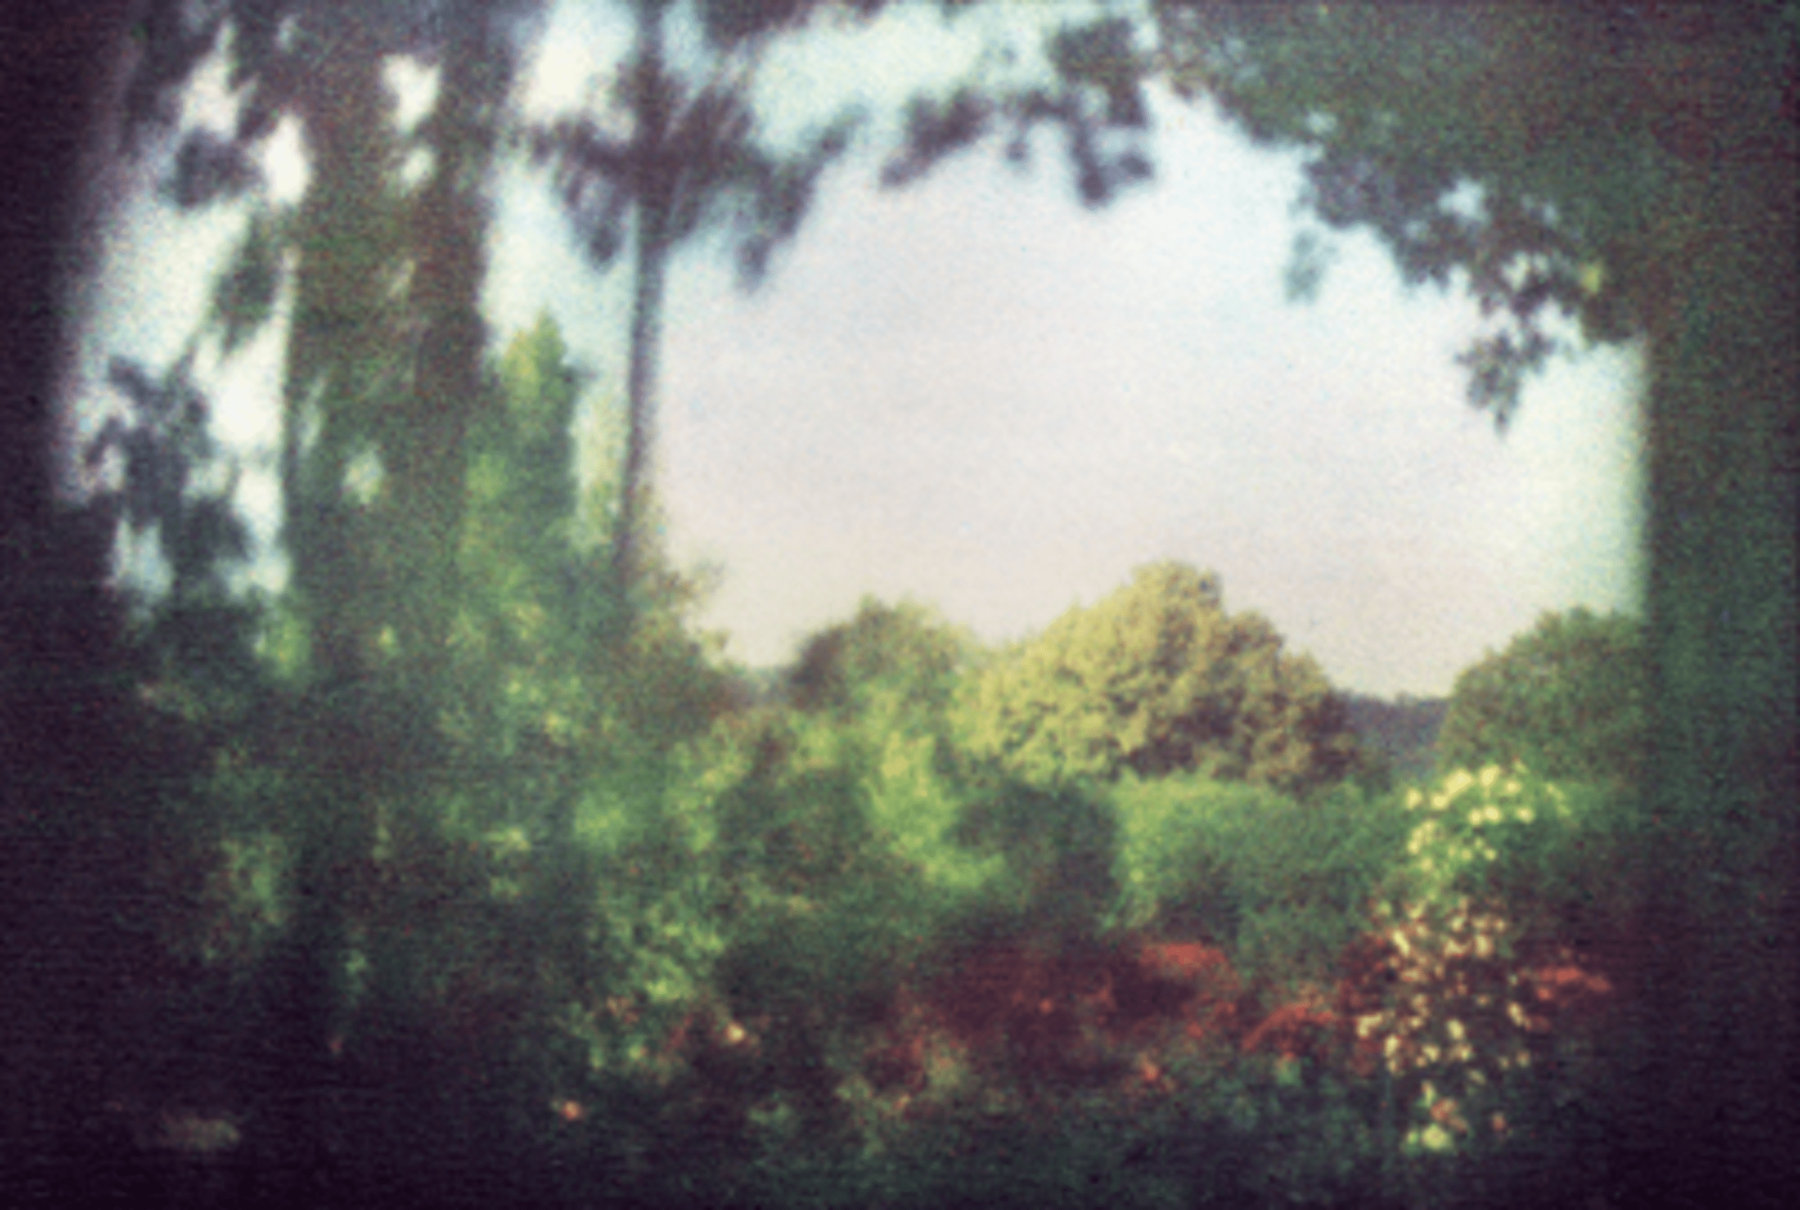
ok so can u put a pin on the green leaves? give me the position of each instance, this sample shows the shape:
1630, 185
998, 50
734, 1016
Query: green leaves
1057, 845
1277, 882
1511, 152
903, 651
244, 297
1570, 699
1158, 678
173, 496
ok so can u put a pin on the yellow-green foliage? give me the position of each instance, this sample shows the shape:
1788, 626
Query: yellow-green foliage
1157, 678
872, 697
915, 810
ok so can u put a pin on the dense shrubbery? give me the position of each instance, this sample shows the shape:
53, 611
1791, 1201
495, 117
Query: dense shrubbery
828, 956
1277, 881
1468, 979
1353, 1000
852, 945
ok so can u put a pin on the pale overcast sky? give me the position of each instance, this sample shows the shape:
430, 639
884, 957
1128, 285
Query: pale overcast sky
979, 395
976, 394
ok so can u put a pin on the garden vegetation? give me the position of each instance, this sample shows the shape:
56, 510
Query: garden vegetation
463, 870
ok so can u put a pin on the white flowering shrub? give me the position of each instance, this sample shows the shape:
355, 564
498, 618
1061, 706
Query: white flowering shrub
1461, 981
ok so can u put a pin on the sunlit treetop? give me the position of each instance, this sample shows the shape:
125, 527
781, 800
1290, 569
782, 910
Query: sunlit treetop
1157, 678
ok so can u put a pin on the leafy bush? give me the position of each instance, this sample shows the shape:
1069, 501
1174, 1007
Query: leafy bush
1558, 854
1467, 973
1278, 882
1056, 848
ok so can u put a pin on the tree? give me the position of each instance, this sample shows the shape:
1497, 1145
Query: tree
385, 280
119, 703
858, 767
1156, 678
1631, 166
562, 718
195, 636
1570, 699
904, 649
1464, 139
383, 383
689, 160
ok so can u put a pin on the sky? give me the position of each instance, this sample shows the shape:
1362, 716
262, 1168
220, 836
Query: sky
976, 394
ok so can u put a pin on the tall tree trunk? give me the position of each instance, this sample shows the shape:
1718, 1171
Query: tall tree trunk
447, 240
1719, 1073
650, 267
333, 385
657, 172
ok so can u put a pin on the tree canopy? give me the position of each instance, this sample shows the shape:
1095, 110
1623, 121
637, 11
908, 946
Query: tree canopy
1158, 677
1631, 166
903, 649
1570, 699
1522, 152
450, 870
